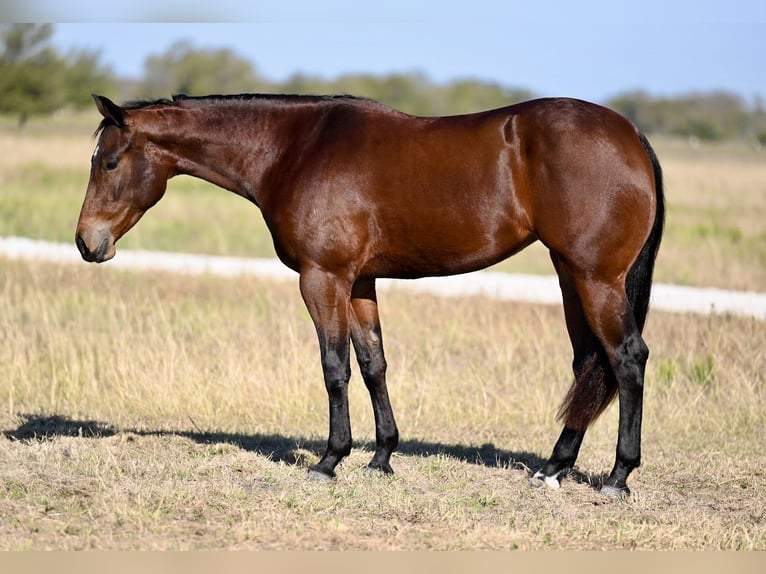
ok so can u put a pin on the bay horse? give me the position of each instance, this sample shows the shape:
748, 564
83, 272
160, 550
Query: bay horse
352, 190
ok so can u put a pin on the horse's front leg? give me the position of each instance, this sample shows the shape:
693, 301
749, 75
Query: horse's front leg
368, 343
327, 298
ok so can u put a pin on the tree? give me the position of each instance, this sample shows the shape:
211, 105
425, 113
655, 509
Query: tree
35, 79
466, 96
27, 70
704, 116
83, 75
412, 92
197, 72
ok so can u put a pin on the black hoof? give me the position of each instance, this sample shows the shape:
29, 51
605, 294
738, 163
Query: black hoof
384, 469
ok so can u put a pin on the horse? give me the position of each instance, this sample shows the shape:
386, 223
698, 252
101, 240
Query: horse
352, 190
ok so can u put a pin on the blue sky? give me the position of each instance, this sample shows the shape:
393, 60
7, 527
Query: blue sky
592, 50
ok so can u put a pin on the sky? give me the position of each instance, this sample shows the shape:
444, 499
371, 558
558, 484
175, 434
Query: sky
591, 50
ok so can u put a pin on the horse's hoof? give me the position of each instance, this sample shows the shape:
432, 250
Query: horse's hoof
615, 492
318, 475
539, 480
378, 470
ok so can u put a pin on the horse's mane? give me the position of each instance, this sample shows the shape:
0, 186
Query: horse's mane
215, 98
266, 97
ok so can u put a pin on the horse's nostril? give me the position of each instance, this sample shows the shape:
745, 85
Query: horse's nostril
96, 255
84, 251
95, 244
102, 249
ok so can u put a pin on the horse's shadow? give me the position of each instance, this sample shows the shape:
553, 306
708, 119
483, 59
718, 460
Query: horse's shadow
279, 448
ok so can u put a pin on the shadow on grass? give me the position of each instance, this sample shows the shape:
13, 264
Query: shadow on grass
281, 448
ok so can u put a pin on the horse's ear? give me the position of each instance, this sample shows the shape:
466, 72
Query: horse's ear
110, 110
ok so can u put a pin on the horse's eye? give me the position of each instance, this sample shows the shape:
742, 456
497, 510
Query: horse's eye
110, 165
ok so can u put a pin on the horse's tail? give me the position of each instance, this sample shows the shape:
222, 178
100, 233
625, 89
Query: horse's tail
595, 386
639, 281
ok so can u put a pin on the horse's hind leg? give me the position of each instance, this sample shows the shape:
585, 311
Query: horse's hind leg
611, 319
609, 358
368, 345
590, 368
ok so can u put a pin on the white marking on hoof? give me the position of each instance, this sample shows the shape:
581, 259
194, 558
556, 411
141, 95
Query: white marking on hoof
539, 479
613, 492
318, 476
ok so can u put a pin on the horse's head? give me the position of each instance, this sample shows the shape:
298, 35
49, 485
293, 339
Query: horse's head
128, 175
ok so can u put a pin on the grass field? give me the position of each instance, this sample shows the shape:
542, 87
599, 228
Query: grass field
153, 411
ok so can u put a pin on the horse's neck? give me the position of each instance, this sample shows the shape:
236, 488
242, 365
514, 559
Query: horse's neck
231, 149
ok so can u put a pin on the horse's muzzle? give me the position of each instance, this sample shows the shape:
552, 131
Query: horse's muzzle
99, 255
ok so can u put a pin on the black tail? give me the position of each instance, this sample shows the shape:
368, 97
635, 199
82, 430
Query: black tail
639, 281
595, 387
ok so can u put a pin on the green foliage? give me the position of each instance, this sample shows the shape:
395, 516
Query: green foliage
26, 69
413, 93
35, 79
707, 117
188, 70
83, 76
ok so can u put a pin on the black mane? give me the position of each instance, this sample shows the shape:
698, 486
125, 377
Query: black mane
213, 98
265, 97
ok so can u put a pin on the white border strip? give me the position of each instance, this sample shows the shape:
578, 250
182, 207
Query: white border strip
503, 286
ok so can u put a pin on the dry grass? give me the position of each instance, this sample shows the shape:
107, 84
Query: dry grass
716, 232
156, 411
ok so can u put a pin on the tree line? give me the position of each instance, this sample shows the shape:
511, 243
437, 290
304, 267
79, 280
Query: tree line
36, 79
